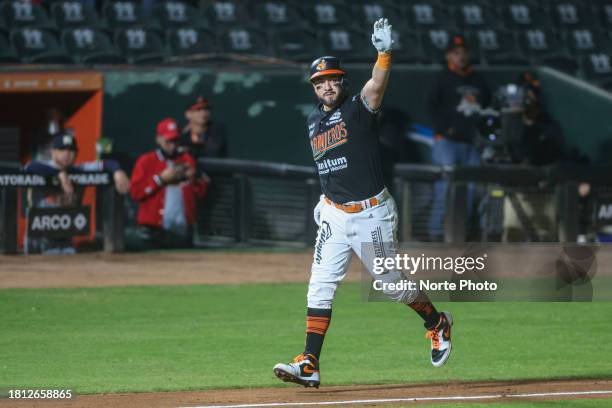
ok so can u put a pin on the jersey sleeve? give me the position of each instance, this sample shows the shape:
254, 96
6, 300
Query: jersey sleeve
40, 168
361, 111
144, 183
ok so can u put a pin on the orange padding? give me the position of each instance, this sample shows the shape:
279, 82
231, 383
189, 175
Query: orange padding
383, 61
317, 325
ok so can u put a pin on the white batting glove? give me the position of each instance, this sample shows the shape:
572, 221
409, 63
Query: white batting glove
317, 212
381, 38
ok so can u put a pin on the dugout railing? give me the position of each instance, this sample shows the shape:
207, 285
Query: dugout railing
253, 201
14, 184
257, 202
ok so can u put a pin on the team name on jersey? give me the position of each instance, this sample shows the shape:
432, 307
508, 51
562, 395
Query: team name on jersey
328, 140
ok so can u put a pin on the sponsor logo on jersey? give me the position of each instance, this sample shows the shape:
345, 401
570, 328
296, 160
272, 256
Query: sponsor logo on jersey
311, 129
328, 140
330, 165
335, 118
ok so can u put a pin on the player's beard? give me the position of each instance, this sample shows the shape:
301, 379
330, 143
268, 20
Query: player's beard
335, 101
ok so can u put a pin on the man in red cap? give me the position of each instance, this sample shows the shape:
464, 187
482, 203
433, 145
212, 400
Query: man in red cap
166, 185
202, 136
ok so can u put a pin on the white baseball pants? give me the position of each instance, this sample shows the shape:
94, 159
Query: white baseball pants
369, 233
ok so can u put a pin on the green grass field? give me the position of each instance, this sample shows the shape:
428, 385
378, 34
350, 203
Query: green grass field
214, 336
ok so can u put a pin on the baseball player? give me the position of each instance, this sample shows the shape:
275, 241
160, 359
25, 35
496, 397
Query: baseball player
355, 212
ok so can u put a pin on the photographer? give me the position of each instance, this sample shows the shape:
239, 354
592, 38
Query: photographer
517, 129
542, 138
166, 185
532, 137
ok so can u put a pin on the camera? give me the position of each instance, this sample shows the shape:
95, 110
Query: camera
500, 127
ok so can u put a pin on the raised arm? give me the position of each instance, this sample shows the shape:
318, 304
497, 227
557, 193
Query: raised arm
374, 90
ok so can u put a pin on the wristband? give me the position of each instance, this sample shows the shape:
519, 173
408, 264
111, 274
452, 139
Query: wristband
384, 61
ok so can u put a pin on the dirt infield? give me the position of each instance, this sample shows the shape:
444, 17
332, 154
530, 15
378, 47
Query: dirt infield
167, 268
347, 396
212, 267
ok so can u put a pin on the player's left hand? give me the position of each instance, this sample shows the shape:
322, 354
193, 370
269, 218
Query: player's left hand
381, 37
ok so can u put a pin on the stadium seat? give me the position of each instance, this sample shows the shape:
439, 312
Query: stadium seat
90, 46
407, 47
426, 14
73, 13
597, 67
567, 14
521, 14
496, 47
173, 14
123, 14
434, 42
366, 12
244, 40
296, 44
190, 41
604, 11
545, 47
37, 45
328, 14
277, 14
472, 15
140, 45
227, 14
347, 44
24, 14
538, 41
584, 41
7, 54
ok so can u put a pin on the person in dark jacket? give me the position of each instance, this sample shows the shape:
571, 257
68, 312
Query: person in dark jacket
202, 136
455, 102
63, 152
542, 139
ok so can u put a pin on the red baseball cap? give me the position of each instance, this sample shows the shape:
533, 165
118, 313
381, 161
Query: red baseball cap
457, 41
168, 128
199, 103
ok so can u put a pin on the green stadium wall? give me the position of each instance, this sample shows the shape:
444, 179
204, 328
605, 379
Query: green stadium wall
264, 109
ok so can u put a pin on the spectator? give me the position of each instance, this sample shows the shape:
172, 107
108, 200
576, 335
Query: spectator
63, 153
54, 124
455, 102
166, 185
203, 136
